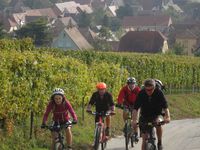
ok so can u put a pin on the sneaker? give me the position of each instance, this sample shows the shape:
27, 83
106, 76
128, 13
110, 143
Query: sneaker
160, 147
107, 131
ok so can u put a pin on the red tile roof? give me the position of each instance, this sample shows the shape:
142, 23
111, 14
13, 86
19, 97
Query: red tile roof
142, 41
159, 20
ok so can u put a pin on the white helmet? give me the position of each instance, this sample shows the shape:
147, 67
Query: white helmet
58, 91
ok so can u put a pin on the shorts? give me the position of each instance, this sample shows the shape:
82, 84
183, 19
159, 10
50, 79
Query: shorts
142, 124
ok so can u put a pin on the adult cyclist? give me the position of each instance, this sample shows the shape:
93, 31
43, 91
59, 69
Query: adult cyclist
127, 97
151, 101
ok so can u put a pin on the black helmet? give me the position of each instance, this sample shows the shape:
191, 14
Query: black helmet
131, 80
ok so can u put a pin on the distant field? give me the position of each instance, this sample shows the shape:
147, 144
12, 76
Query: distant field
198, 1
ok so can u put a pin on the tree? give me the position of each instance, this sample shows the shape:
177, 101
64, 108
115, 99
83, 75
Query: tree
178, 49
106, 21
124, 11
115, 24
2, 33
84, 20
3, 4
36, 30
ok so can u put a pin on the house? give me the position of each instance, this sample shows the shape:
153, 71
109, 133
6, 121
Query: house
89, 34
146, 22
17, 20
99, 4
143, 41
71, 8
84, 2
111, 11
188, 35
61, 23
116, 3
71, 38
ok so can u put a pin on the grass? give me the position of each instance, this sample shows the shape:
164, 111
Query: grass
181, 106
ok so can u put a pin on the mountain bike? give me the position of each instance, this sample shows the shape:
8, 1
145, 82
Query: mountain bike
150, 142
129, 133
59, 140
100, 130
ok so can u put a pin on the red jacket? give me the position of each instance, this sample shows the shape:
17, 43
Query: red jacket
60, 112
126, 96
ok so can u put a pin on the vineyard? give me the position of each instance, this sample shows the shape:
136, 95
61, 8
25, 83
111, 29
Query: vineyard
29, 74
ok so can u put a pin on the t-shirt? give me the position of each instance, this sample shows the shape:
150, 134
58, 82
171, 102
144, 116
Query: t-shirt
151, 106
102, 104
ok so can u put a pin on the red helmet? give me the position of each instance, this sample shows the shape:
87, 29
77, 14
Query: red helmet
101, 86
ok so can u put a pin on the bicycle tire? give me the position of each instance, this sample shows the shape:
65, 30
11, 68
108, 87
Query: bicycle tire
103, 145
58, 146
126, 136
150, 146
132, 140
97, 138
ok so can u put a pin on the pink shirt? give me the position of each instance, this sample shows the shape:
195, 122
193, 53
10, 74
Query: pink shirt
60, 112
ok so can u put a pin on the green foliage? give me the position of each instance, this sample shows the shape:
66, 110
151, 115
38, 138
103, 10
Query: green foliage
124, 11
84, 19
37, 30
178, 49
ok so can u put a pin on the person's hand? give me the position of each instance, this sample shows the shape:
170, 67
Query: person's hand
167, 119
89, 111
43, 125
112, 113
74, 121
134, 123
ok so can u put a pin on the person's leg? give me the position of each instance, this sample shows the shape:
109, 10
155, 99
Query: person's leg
54, 135
144, 136
125, 115
69, 136
159, 132
108, 125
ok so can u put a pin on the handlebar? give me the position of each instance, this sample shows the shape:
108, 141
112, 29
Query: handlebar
102, 113
121, 106
153, 124
59, 127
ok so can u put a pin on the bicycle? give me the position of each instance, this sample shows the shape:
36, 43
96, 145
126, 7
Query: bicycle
150, 142
59, 140
129, 133
100, 130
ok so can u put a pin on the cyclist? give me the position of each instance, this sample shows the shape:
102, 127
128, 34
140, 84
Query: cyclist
60, 107
127, 97
151, 101
103, 102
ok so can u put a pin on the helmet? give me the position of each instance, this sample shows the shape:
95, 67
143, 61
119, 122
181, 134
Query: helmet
159, 84
101, 85
58, 91
131, 80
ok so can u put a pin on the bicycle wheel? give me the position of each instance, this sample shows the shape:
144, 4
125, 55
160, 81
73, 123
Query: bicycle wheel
97, 137
58, 146
103, 145
126, 134
132, 140
150, 146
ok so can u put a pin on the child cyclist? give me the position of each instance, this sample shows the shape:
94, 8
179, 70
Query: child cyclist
103, 102
60, 107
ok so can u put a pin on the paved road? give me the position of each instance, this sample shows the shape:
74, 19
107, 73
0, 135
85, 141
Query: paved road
178, 135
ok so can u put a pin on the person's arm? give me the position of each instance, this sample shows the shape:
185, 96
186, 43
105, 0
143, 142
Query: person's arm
167, 115
137, 106
91, 102
121, 95
46, 114
71, 110
112, 104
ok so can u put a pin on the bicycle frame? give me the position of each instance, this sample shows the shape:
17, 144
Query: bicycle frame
100, 135
128, 131
150, 142
59, 140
